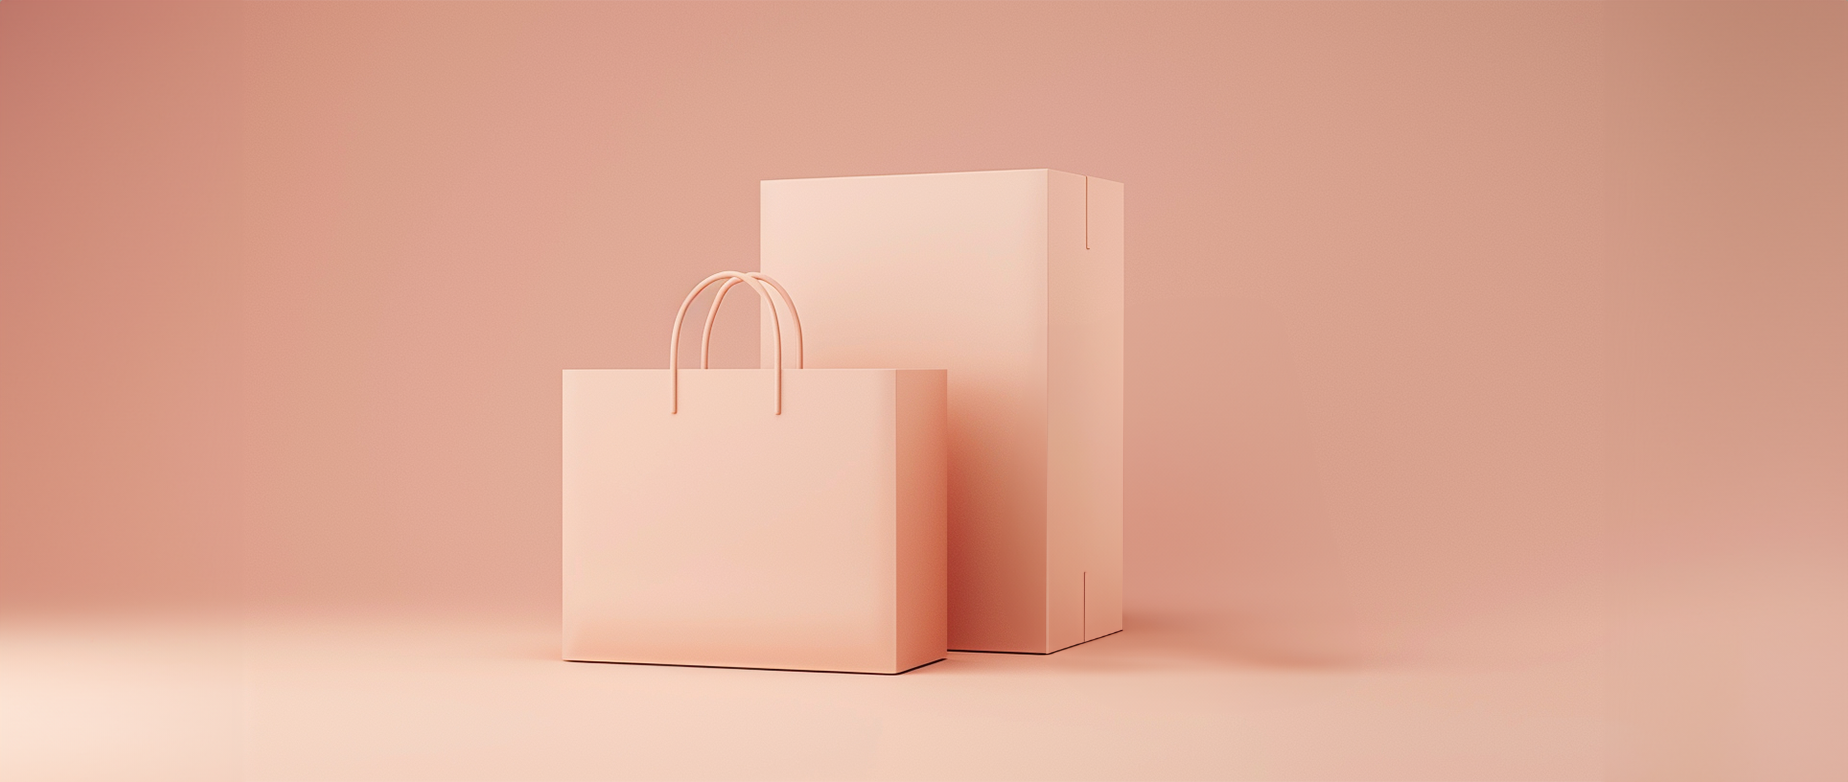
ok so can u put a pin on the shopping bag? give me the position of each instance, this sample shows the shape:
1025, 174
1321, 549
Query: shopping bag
759, 518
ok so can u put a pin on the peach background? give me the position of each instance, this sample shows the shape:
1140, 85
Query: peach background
1466, 340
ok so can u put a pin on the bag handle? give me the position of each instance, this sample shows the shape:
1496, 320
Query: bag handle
705, 337
732, 278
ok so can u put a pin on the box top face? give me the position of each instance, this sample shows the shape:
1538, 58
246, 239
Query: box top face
1001, 172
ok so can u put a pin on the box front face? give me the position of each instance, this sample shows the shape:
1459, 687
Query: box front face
725, 534
943, 271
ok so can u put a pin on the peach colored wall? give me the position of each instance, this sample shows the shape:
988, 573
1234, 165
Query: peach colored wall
1726, 337
1365, 291
119, 304
1428, 302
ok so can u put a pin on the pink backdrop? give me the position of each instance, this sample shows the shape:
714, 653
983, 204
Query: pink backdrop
1459, 334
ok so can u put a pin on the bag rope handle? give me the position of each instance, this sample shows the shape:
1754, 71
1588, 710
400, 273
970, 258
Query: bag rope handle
705, 336
673, 345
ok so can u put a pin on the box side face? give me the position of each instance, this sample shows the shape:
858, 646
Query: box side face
726, 534
922, 406
1084, 393
944, 271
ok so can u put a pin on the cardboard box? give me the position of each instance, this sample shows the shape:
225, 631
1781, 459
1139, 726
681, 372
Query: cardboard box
1012, 281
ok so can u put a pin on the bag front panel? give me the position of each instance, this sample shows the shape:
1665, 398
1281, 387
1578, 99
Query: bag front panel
725, 534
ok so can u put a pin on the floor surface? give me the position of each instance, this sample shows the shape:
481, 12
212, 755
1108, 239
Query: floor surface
393, 699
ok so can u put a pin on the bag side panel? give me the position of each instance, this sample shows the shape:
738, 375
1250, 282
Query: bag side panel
923, 514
